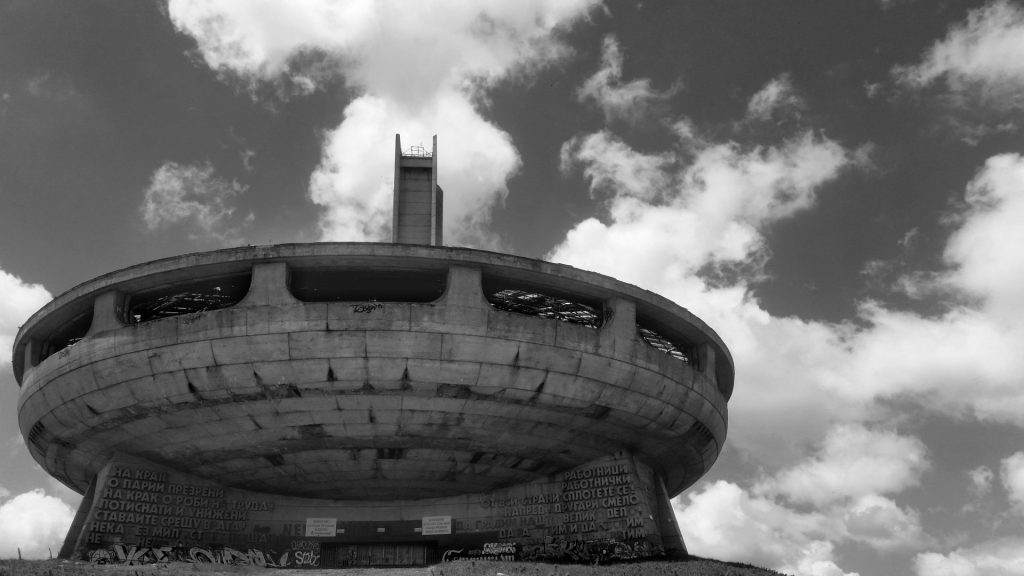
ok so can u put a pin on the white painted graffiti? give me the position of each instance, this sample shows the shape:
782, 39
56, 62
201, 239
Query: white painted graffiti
138, 555
306, 545
499, 548
306, 558
450, 555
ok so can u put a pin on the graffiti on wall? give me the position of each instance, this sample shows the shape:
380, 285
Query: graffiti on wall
306, 553
130, 555
604, 550
560, 550
496, 551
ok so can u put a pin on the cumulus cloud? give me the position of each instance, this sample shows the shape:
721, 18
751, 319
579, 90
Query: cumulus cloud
191, 197
982, 53
33, 523
354, 182
1002, 557
883, 525
712, 209
853, 462
983, 250
976, 70
981, 480
612, 167
20, 300
725, 521
619, 100
700, 240
420, 68
770, 524
1011, 472
691, 223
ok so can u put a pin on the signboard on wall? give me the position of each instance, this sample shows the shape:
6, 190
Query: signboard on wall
321, 527
437, 525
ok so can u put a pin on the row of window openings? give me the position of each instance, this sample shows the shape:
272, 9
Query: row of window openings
386, 287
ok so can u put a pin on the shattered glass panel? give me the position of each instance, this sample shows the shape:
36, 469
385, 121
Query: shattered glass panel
545, 306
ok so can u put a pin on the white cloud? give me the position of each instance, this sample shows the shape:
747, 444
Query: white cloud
422, 69
354, 181
976, 73
192, 197
616, 169
771, 524
981, 480
699, 240
19, 302
713, 212
1003, 557
983, 53
33, 523
777, 97
852, 462
881, 524
723, 521
628, 101
701, 243
984, 249
1012, 474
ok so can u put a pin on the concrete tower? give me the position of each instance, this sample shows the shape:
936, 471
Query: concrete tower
338, 404
418, 205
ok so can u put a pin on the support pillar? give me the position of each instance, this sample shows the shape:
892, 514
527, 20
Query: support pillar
269, 286
107, 312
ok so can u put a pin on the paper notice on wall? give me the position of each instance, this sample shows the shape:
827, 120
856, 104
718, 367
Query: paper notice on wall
435, 525
321, 526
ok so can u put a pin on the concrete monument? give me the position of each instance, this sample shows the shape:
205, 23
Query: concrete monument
337, 404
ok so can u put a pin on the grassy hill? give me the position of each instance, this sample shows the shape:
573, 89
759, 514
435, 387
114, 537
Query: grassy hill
692, 566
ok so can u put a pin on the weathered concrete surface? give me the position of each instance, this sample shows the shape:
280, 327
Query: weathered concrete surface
369, 400
152, 513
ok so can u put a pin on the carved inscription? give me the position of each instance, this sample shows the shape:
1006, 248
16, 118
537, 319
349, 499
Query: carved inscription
589, 502
145, 508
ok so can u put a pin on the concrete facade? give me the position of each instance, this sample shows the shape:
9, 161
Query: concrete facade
345, 386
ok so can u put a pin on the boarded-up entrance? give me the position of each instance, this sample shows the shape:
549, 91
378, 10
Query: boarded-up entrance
379, 554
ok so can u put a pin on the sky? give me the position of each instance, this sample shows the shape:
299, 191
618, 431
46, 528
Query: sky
835, 186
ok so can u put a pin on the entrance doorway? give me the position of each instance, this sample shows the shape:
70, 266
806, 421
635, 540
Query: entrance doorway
378, 554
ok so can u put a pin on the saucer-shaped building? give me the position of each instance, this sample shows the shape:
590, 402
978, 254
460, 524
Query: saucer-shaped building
337, 404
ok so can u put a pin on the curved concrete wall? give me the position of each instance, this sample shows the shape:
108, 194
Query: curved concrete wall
381, 400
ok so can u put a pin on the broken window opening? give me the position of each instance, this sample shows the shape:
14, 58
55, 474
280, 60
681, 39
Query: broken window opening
685, 353
177, 300
545, 306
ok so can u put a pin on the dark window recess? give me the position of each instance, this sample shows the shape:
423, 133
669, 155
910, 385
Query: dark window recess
678, 351
68, 334
203, 296
390, 453
39, 437
545, 306
699, 436
361, 285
